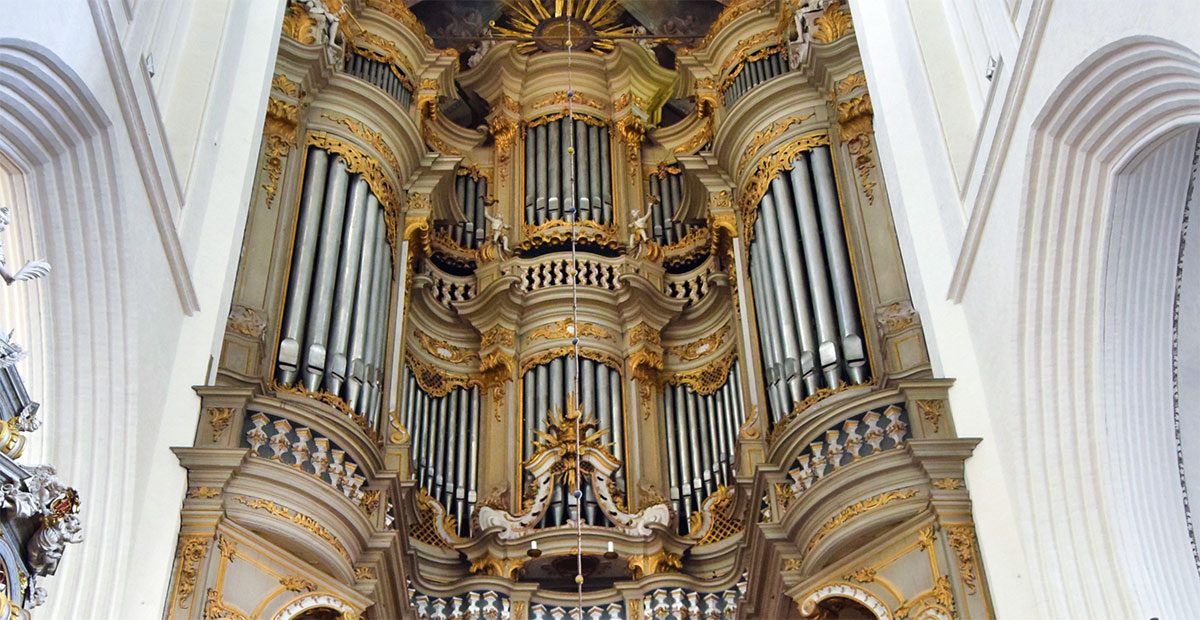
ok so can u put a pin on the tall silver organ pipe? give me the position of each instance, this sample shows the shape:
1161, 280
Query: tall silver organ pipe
701, 434
549, 165
444, 435
546, 388
380, 74
806, 306
666, 211
471, 193
334, 325
753, 73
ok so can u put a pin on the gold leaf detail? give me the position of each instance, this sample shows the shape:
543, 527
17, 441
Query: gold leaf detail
709, 378
444, 350
192, 549
560, 98
854, 126
297, 518
219, 418
297, 584
282, 84
561, 329
948, 484
760, 180
298, 25
851, 82
932, 410
435, 381
760, 139
373, 138
850, 512
699, 348
832, 25
962, 539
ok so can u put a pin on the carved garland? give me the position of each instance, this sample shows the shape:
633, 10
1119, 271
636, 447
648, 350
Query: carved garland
782, 158
560, 98
552, 354
865, 506
279, 133
432, 380
699, 348
709, 378
192, 549
373, 138
561, 329
444, 350
832, 25
298, 518
854, 127
361, 163
760, 139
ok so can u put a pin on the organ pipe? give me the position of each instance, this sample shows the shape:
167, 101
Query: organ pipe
335, 309
471, 193
444, 438
803, 286
549, 165
753, 73
666, 213
380, 74
701, 431
547, 388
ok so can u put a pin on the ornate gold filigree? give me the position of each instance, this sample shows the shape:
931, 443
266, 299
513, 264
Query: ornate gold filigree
760, 139
227, 547
938, 597
560, 98
867, 505
297, 584
435, 381
282, 84
572, 435
373, 138
298, 25
744, 60
925, 538
719, 505
359, 162
651, 564
948, 484
962, 539
192, 549
218, 418
782, 158
203, 492
444, 350
433, 526
279, 136
847, 84
932, 411
698, 139
507, 568
370, 501
297, 518
699, 348
749, 428
862, 575
216, 609
505, 132
708, 378
831, 25
365, 43
739, 54
364, 572
562, 329
498, 336
792, 564
644, 334
784, 495
591, 354
332, 400
854, 127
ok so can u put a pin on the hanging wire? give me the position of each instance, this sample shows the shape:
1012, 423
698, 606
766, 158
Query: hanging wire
573, 271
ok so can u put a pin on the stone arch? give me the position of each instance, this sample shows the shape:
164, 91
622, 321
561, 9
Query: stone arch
56, 142
1120, 103
297, 607
808, 606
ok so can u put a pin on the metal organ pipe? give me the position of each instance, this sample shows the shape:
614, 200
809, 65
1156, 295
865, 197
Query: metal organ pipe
818, 275
798, 286
582, 157
323, 280
530, 178
356, 374
769, 347
347, 282
839, 266
303, 255
540, 170
772, 244
549, 166
605, 176
554, 161
593, 153
444, 440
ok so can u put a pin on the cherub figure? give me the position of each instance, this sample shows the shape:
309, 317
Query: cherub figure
499, 235
32, 269
638, 234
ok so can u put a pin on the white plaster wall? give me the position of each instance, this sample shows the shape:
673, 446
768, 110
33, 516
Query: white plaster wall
183, 145
964, 246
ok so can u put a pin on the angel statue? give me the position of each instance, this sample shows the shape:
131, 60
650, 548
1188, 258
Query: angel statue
32, 269
327, 15
638, 235
499, 237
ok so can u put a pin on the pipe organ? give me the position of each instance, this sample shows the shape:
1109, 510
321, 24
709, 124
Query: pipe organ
333, 332
701, 437
751, 73
573, 334
382, 74
445, 439
666, 209
549, 165
809, 329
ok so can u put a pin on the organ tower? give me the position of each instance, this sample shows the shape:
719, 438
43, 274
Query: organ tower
509, 314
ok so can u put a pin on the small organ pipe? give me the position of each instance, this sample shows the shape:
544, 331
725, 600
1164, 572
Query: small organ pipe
582, 182
473, 456
615, 414
587, 396
480, 220
542, 409
593, 154
439, 449
606, 175
370, 347
303, 256
446, 462
528, 412
685, 470
839, 264
557, 385
460, 456
672, 450
656, 209
566, 163
554, 163
764, 314
530, 179
818, 277
783, 309
798, 285
712, 431
724, 456
327, 254
423, 452
700, 486
347, 283
540, 171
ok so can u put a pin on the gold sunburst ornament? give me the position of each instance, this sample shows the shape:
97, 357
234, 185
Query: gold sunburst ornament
589, 25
